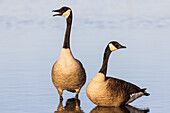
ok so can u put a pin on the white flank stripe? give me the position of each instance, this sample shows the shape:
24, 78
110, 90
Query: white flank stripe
134, 96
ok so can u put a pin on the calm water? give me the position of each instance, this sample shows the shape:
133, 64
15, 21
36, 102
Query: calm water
31, 41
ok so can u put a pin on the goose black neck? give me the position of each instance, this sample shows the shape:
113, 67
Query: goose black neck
105, 61
67, 34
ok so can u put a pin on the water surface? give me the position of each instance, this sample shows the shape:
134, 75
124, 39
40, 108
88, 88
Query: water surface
31, 41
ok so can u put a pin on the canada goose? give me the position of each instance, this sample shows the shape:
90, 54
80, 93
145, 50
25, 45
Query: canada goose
67, 73
108, 91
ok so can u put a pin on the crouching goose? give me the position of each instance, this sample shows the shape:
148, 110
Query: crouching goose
108, 91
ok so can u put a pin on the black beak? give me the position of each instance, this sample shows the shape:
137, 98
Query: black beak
59, 14
122, 46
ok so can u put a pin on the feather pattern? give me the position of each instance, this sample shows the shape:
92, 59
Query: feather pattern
108, 91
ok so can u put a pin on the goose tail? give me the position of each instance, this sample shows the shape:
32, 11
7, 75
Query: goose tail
144, 92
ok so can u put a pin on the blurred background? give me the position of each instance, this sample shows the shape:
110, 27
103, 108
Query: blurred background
31, 41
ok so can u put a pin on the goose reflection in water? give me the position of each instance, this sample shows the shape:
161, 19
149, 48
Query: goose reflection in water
124, 109
72, 106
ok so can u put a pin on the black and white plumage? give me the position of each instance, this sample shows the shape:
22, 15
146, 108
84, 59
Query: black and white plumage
68, 73
108, 91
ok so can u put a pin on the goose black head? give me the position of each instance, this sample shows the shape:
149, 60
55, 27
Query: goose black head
64, 11
113, 45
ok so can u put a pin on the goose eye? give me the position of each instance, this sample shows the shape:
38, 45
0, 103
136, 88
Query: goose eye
116, 46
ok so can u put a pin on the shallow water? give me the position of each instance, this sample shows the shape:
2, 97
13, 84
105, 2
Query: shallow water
31, 41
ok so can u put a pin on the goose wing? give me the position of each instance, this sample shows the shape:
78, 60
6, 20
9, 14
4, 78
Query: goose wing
81, 66
117, 84
82, 70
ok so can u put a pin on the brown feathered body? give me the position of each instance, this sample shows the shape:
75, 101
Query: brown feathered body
107, 91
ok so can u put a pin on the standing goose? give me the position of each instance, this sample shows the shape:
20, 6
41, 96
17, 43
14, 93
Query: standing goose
108, 91
67, 73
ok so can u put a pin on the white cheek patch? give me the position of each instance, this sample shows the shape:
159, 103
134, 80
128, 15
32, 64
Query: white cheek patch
67, 13
112, 47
